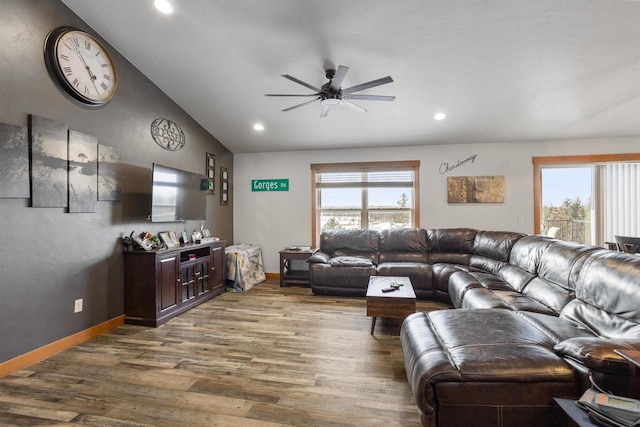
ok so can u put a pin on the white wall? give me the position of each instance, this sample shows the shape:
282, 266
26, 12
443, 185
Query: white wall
274, 220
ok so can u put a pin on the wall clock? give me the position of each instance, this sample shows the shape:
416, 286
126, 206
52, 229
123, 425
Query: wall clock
80, 66
167, 134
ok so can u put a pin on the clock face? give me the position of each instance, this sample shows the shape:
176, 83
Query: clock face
81, 66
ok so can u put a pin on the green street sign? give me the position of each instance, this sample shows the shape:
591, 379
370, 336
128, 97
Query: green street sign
270, 184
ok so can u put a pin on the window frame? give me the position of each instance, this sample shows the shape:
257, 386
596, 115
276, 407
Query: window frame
361, 167
578, 160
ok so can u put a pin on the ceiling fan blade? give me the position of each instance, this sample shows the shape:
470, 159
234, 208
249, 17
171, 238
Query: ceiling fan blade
368, 97
363, 86
325, 110
300, 82
282, 94
301, 105
336, 82
353, 106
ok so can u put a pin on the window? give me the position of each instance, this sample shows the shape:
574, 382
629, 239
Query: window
354, 196
587, 199
566, 203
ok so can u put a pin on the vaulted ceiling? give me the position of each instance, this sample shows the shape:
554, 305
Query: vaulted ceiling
501, 70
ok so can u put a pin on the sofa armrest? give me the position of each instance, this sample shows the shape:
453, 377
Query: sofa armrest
350, 261
597, 353
319, 258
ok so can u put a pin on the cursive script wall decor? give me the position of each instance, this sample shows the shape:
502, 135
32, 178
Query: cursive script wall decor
446, 167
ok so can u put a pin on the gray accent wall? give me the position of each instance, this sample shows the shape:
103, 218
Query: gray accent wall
49, 257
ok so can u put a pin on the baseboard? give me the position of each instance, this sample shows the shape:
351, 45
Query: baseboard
56, 347
274, 276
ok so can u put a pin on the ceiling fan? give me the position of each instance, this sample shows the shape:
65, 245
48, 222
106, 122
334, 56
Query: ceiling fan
331, 94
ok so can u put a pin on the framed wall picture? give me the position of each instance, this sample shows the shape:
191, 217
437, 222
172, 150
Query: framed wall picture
210, 172
14, 162
49, 156
475, 189
224, 186
83, 172
109, 173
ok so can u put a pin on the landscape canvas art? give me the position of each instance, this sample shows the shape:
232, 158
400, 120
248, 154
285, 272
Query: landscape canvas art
109, 173
83, 172
475, 189
48, 144
14, 162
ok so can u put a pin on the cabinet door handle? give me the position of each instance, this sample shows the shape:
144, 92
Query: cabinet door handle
213, 268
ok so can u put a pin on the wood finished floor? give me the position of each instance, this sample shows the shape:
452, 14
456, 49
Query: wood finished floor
270, 356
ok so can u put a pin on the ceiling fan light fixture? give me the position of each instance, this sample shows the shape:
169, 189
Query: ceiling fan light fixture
331, 102
440, 116
331, 93
259, 127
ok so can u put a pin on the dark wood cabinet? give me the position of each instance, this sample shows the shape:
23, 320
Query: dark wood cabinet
164, 283
167, 271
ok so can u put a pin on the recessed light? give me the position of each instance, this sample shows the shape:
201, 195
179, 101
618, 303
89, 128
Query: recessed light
258, 127
440, 116
163, 6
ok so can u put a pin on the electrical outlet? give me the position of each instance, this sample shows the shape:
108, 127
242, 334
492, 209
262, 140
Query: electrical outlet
77, 308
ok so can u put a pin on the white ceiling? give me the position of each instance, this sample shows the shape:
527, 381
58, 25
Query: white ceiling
502, 70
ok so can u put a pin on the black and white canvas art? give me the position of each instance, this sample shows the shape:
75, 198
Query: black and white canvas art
48, 144
14, 162
109, 171
83, 172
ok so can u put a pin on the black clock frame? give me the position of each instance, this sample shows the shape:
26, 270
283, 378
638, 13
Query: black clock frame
55, 70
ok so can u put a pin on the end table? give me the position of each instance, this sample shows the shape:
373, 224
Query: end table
287, 274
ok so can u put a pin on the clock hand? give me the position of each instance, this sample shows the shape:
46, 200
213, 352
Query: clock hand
86, 66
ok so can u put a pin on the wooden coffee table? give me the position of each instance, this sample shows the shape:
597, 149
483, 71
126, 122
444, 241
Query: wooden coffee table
397, 304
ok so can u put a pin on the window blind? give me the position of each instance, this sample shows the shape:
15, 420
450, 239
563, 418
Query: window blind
621, 195
365, 179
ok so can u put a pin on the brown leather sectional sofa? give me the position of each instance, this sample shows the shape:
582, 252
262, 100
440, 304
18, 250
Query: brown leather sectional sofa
534, 317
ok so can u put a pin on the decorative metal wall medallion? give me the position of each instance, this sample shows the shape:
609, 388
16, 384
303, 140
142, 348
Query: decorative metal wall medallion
167, 134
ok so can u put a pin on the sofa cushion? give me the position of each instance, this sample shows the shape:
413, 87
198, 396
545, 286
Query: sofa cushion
450, 245
509, 299
361, 243
562, 261
491, 249
403, 245
344, 281
527, 251
608, 295
420, 274
461, 282
479, 289
556, 264
555, 328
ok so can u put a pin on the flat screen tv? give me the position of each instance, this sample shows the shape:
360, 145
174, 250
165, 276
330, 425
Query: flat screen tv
177, 195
